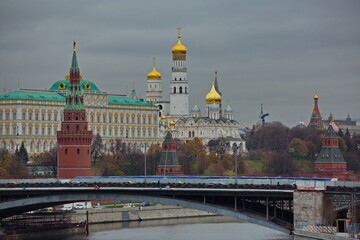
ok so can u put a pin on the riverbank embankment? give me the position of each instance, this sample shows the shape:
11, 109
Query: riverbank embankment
108, 215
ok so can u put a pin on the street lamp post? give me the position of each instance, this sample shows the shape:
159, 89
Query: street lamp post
145, 146
235, 150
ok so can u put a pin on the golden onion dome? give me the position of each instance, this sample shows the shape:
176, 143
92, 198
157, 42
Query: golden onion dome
172, 123
163, 117
213, 96
154, 74
316, 97
179, 49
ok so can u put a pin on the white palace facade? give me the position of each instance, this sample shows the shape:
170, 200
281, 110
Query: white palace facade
34, 116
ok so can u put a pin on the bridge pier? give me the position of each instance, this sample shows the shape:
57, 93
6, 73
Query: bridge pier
308, 208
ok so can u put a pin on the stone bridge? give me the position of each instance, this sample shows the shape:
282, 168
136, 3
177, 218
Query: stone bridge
278, 206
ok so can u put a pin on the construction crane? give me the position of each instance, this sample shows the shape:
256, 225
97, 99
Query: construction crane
263, 115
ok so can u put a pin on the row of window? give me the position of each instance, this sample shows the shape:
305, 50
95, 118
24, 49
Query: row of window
127, 118
54, 116
180, 90
103, 131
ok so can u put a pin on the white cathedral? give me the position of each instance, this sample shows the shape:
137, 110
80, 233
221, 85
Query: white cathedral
214, 124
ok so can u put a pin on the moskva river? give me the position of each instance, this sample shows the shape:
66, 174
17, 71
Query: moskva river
205, 228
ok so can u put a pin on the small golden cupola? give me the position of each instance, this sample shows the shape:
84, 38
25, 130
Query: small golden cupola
154, 74
213, 96
179, 49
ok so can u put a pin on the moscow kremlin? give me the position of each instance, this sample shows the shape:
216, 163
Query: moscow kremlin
72, 110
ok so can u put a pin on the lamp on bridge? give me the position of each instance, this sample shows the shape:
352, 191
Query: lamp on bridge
235, 149
144, 145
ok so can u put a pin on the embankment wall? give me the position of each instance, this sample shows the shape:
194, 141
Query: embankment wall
107, 215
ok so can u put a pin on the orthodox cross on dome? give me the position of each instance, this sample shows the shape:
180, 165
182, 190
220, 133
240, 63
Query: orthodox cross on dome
179, 29
74, 45
154, 61
216, 84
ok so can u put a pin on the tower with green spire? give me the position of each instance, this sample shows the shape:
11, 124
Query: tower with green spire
330, 157
74, 138
169, 163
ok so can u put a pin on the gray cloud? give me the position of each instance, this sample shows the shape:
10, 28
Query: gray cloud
271, 52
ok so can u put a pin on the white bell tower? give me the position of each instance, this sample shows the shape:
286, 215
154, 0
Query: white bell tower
179, 85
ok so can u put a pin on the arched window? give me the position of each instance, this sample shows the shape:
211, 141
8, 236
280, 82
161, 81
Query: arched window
180, 90
78, 151
77, 127
65, 150
189, 134
174, 89
185, 89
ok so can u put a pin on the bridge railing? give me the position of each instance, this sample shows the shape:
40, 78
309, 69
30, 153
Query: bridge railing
301, 184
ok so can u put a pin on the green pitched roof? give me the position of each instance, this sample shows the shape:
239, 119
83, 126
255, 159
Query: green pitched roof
74, 63
119, 100
63, 86
330, 133
33, 96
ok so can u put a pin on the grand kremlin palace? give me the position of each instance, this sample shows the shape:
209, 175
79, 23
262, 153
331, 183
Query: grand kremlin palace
34, 116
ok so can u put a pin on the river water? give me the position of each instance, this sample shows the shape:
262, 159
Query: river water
207, 228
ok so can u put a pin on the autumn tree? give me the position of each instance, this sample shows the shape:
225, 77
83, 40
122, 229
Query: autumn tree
279, 163
202, 162
111, 166
48, 160
23, 154
153, 158
299, 147
5, 161
97, 148
271, 137
187, 157
133, 162
219, 145
17, 168
353, 161
214, 169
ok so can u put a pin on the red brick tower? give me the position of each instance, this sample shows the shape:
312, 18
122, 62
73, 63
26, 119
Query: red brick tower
74, 138
330, 159
169, 163
316, 120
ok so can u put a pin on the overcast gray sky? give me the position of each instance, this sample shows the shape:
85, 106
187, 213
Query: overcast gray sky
272, 52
